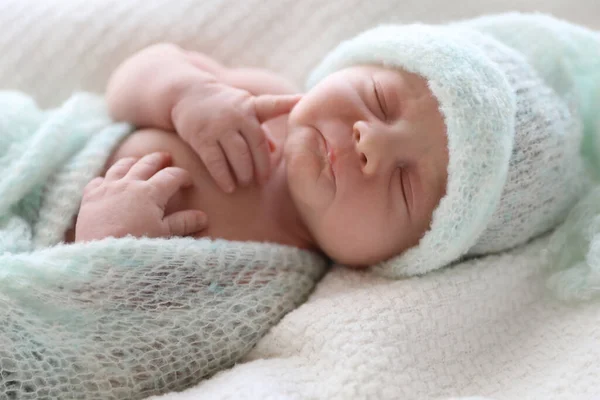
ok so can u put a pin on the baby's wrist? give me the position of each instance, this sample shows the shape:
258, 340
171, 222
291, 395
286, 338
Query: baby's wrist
189, 94
185, 88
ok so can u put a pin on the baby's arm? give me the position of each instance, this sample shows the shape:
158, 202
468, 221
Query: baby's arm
257, 81
209, 106
145, 88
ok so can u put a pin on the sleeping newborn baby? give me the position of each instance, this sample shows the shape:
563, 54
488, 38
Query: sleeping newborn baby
414, 146
355, 170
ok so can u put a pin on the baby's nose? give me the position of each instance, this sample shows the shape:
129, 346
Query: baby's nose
373, 145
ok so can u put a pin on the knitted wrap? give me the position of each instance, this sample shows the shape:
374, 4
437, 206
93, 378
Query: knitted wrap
116, 318
546, 171
515, 167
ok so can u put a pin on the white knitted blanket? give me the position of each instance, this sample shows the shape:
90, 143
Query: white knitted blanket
487, 327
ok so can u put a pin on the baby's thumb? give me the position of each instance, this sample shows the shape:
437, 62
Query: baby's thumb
187, 222
269, 106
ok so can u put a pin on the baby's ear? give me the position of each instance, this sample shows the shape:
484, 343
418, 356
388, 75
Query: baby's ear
269, 106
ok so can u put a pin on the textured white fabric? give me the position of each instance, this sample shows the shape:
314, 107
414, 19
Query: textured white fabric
486, 327
52, 47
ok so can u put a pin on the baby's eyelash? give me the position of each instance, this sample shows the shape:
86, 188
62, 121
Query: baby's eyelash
403, 188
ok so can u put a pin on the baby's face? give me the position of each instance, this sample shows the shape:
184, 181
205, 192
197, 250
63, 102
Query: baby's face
367, 160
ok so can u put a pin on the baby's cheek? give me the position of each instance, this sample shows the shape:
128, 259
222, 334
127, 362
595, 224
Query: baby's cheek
346, 246
368, 245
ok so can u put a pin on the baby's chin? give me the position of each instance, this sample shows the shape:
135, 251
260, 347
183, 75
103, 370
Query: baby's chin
354, 260
356, 253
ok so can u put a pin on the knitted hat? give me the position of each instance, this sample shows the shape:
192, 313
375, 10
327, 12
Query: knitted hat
513, 144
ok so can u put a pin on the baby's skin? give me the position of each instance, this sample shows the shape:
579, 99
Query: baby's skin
354, 168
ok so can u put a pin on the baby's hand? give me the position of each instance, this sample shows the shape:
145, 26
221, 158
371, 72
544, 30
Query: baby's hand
223, 125
131, 200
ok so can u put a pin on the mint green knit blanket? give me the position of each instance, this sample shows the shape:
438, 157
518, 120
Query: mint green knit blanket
116, 318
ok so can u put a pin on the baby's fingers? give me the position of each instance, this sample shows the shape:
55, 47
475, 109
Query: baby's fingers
168, 181
214, 159
92, 185
187, 222
149, 165
120, 168
258, 144
239, 157
269, 106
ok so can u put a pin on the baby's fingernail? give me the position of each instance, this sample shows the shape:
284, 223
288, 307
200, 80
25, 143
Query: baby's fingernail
229, 188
